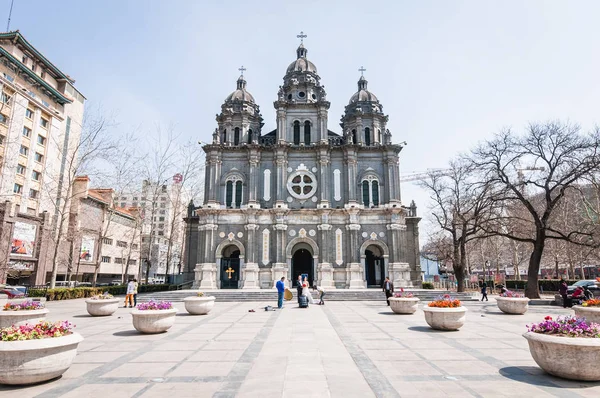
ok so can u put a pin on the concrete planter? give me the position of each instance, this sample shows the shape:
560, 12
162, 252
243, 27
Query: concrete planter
404, 305
199, 305
34, 361
513, 305
153, 321
445, 318
567, 357
591, 314
10, 318
103, 307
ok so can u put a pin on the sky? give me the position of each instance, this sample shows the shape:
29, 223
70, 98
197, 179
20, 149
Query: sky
448, 73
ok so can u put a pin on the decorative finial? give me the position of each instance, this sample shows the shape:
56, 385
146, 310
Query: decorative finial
301, 36
242, 69
362, 70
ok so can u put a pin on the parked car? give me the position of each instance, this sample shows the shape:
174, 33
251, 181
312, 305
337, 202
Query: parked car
12, 292
591, 284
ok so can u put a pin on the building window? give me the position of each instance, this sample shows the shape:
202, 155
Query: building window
35, 175
41, 140
24, 150
105, 259
29, 113
302, 184
107, 241
162, 199
163, 205
3, 119
160, 233
26, 132
24, 59
162, 212
134, 204
5, 98
233, 192
161, 226
2, 139
43, 74
132, 262
296, 133
135, 198
134, 246
161, 219
123, 197
370, 191
21, 169
367, 136
18, 189
120, 243
307, 133
379, 136
43, 123
164, 188
249, 136
236, 136
33, 194
38, 157
224, 136
354, 138
118, 260
33, 67
123, 204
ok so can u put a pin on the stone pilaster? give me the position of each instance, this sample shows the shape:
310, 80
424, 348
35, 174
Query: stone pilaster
206, 272
325, 183
253, 161
280, 161
250, 270
325, 271
356, 279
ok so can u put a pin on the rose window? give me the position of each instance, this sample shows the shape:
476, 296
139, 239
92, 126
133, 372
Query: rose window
302, 185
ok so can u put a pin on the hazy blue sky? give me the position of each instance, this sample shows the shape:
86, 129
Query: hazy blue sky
448, 73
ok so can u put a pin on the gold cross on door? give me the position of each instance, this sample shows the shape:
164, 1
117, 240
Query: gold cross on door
229, 271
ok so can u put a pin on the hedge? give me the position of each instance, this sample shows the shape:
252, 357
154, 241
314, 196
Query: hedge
546, 285
427, 285
66, 293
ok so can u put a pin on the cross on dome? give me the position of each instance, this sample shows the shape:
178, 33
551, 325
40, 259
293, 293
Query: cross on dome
362, 70
301, 36
242, 69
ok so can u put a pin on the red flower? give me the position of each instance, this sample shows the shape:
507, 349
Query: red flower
548, 318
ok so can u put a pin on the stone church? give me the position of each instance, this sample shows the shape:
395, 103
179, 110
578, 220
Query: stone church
302, 199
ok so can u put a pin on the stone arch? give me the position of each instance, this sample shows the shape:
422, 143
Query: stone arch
290, 246
227, 242
374, 242
363, 259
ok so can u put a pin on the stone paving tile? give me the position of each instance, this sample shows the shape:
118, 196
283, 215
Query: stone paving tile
181, 390
100, 390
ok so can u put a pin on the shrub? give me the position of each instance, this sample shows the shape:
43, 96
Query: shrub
567, 326
427, 285
153, 305
445, 301
41, 330
546, 285
24, 306
66, 293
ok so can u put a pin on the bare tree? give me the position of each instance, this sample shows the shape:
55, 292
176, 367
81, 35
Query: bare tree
561, 155
459, 208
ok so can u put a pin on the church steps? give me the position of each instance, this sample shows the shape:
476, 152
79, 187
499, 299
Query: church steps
271, 295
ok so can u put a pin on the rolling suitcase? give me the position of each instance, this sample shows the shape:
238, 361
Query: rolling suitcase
303, 302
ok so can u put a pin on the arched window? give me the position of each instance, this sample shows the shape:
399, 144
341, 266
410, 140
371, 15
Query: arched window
224, 137
367, 136
233, 192
307, 133
370, 191
249, 136
296, 133
236, 136
379, 136
354, 140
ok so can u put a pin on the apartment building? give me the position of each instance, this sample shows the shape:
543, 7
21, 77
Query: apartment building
41, 116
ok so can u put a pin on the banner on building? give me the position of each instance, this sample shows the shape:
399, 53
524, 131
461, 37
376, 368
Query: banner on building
23, 240
474, 279
87, 248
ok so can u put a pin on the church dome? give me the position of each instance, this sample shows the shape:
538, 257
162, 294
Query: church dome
363, 95
301, 64
240, 94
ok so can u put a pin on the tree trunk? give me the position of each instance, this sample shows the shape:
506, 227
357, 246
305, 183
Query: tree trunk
148, 264
532, 291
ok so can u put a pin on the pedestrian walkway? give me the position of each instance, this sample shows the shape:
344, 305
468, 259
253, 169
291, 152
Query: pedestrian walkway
342, 349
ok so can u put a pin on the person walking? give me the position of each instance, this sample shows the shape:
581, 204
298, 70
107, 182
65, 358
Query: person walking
299, 287
562, 290
129, 294
280, 290
135, 291
484, 292
388, 288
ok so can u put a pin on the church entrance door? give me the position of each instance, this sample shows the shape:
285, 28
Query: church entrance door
230, 268
302, 264
374, 267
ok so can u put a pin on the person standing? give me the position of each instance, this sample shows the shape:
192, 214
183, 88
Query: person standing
299, 287
129, 294
280, 290
484, 292
563, 289
135, 291
388, 288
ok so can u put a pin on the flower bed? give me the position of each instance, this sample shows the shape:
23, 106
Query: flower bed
102, 305
154, 317
21, 313
566, 347
512, 303
199, 304
445, 313
38, 352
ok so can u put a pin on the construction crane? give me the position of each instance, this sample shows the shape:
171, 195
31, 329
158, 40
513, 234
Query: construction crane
522, 176
422, 175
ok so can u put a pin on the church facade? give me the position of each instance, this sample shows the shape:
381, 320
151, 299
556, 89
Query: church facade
302, 199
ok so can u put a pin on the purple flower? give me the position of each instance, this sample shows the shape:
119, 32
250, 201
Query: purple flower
567, 326
153, 305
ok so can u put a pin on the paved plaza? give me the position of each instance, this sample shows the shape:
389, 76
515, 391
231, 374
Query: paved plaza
342, 349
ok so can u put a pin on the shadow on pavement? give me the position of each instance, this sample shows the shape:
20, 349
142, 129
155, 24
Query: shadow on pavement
537, 377
427, 329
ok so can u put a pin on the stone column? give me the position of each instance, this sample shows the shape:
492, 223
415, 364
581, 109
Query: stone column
208, 270
250, 270
351, 164
254, 161
280, 178
325, 183
325, 273
280, 267
281, 130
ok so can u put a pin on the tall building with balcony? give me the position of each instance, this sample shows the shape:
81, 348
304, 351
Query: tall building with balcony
41, 116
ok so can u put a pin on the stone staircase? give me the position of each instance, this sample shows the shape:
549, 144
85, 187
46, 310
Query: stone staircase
271, 295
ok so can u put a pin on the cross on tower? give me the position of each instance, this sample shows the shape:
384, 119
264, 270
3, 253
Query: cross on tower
301, 36
242, 69
362, 70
